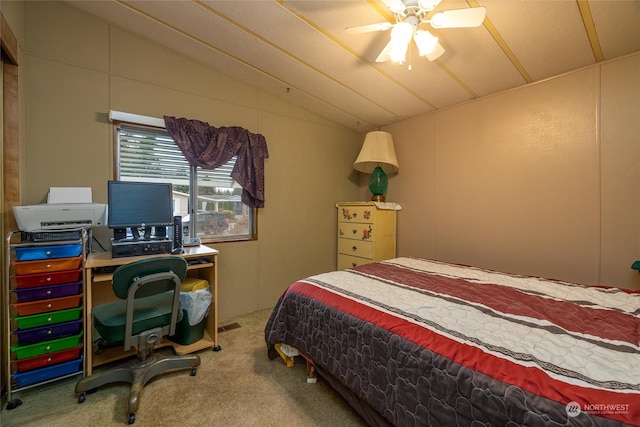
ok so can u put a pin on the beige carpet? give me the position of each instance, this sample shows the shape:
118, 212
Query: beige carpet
238, 386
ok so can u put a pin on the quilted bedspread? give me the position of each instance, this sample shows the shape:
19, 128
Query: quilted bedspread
430, 343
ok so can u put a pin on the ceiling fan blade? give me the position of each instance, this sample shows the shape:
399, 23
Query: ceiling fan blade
380, 26
435, 53
384, 55
459, 18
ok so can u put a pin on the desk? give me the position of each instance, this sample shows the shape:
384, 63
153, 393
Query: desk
98, 290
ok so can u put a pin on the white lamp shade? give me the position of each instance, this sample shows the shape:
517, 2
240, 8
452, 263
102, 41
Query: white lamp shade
377, 150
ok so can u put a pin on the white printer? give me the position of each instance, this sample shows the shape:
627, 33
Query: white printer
66, 208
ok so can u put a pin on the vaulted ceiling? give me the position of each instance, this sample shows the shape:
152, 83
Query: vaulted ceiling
301, 52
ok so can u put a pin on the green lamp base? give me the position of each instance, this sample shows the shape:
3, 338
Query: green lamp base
378, 184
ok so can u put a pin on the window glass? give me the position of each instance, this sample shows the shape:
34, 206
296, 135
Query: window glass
149, 154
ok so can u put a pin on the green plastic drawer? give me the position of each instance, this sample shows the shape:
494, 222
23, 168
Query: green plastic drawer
44, 319
30, 350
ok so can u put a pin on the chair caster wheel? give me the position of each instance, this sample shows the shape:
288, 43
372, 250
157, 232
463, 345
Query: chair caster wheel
132, 418
81, 397
193, 372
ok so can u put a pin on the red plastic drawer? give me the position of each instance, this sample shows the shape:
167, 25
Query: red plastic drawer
46, 305
32, 253
46, 292
46, 265
41, 361
45, 279
29, 336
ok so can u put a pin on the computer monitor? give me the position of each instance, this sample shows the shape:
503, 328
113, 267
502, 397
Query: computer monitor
139, 206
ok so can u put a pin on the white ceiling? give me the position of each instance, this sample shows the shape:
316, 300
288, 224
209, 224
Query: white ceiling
300, 51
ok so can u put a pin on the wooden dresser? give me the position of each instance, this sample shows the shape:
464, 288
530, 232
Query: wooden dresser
366, 232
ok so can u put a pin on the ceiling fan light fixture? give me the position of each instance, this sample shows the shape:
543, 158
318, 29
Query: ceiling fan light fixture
425, 41
428, 5
396, 6
400, 37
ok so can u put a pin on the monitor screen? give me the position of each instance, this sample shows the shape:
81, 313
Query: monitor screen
139, 204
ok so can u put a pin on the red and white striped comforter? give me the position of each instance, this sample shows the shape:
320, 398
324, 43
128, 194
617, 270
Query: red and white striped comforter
576, 348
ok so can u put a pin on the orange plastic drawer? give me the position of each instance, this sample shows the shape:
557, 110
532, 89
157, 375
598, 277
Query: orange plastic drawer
46, 279
46, 265
46, 305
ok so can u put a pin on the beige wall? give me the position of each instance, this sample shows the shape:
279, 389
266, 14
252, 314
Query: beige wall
78, 68
540, 180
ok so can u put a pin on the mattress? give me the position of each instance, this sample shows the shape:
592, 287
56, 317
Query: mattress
429, 343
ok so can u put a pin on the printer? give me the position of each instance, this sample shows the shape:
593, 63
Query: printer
60, 216
66, 208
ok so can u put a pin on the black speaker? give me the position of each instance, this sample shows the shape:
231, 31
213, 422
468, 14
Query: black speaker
160, 231
119, 233
177, 234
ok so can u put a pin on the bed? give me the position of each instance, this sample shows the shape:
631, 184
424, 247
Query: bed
416, 342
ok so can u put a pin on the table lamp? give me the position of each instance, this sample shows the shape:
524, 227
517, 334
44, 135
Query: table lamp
378, 158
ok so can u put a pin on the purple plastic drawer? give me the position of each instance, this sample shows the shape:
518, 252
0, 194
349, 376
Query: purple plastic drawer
44, 292
60, 330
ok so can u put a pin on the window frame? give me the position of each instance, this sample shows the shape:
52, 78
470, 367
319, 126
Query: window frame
252, 233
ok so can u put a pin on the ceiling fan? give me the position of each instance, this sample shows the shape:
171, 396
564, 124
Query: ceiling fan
410, 15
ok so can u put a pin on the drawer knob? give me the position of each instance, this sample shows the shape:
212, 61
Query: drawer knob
49, 319
49, 305
49, 360
354, 231
48, 279
353, 264
47, 253
48, 347
49, 292
354, 248
49, 332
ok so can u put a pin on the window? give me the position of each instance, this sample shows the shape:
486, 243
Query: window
149, 154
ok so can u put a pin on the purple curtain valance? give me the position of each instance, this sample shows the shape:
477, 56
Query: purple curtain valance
209, 147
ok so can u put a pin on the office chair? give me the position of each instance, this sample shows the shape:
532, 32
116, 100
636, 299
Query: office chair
150, 308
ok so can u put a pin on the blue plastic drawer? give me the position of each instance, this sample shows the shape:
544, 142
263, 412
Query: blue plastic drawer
33, 253
60, 330
45, 292
24, 379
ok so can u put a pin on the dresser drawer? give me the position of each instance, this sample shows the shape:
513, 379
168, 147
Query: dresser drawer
349, 261
357, 248
355, 213
355, 231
